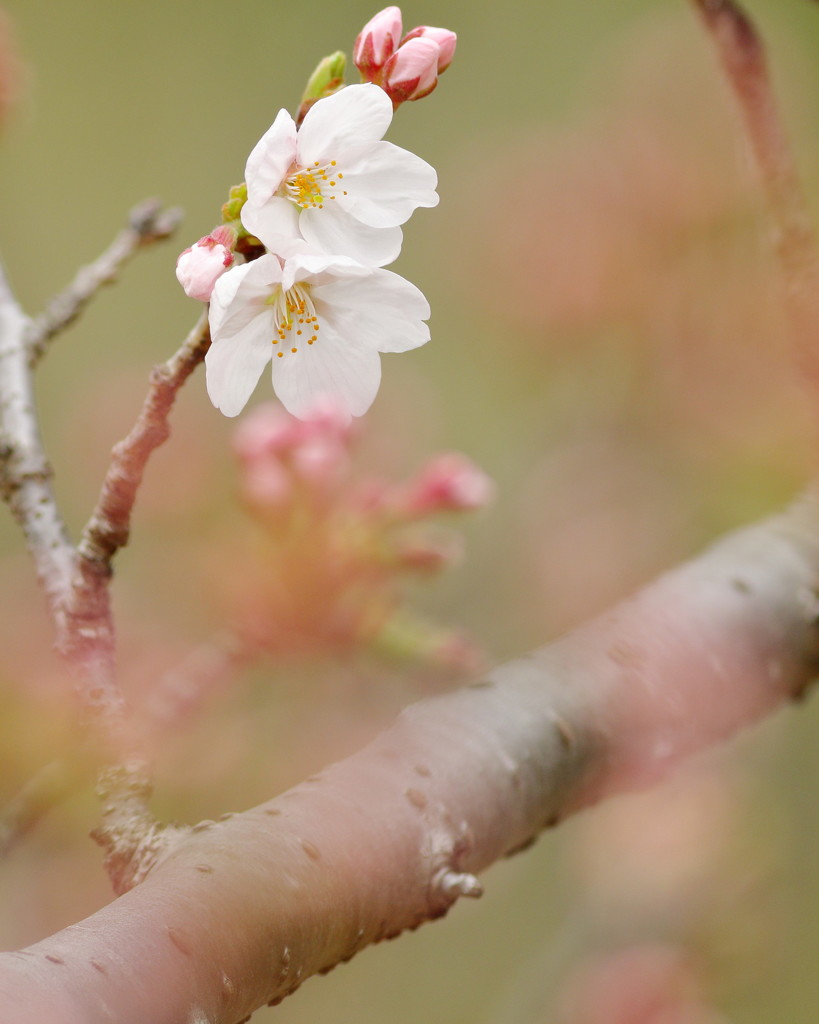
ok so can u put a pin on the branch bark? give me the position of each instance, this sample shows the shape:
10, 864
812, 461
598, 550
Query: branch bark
76, 580
238, 913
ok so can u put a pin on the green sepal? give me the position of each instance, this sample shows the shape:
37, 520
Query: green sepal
237, 197
326, 79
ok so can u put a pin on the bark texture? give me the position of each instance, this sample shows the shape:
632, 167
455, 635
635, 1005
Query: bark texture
237, 913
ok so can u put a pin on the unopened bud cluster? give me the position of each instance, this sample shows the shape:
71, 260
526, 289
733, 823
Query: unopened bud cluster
337, 548
406, 68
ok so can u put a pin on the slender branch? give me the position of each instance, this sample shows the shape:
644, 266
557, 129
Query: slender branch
238, 913
741, 53
184, 689
147, 223
109, 527
77, 581
25, 473
127, 825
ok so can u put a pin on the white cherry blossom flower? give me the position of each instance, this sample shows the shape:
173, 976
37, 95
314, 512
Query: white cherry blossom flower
333, 183
322, 320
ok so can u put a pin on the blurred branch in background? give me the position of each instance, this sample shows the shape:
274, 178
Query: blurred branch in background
742, 55
148, 223
76, 580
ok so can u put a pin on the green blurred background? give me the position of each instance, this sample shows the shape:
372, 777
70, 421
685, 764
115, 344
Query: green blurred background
607, 344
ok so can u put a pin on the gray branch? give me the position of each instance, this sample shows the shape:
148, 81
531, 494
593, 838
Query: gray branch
238, 913
25, 473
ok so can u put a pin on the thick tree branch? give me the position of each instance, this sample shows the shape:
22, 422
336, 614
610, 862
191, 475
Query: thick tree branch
240, 912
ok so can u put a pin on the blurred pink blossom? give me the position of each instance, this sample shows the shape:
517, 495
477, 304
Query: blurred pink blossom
448, 483
327, 574
647, 984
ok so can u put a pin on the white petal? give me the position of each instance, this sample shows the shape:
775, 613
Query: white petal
320, 268
241, 330
380, 310
271, 158
333, 230
276, 223
351, 116
333, 369
234, 364
239, 294
385, 183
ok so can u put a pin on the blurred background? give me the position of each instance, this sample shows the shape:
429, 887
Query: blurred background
607, 344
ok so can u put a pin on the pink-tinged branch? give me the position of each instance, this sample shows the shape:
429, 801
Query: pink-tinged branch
76, 580
183, 690
109, 527
238, 913
147, 223
741, 53
127, 828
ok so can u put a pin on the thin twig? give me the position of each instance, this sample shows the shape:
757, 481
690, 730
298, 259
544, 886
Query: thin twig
147, 223
77, 580
742, 56
79, 605
125, 789
181, 692
109, 527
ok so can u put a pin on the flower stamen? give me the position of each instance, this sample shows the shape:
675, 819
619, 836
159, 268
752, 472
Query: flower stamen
308, 187
295, 306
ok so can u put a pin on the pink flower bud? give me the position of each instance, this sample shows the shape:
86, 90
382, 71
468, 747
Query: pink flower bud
412, 71
445, 39
377, 41
200, 267
449, 482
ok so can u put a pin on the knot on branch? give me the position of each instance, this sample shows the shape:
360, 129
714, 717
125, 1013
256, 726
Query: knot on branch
450, 844
132, 839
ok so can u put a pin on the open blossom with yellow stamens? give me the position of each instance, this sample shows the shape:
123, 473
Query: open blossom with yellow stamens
334, 185
321, 320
